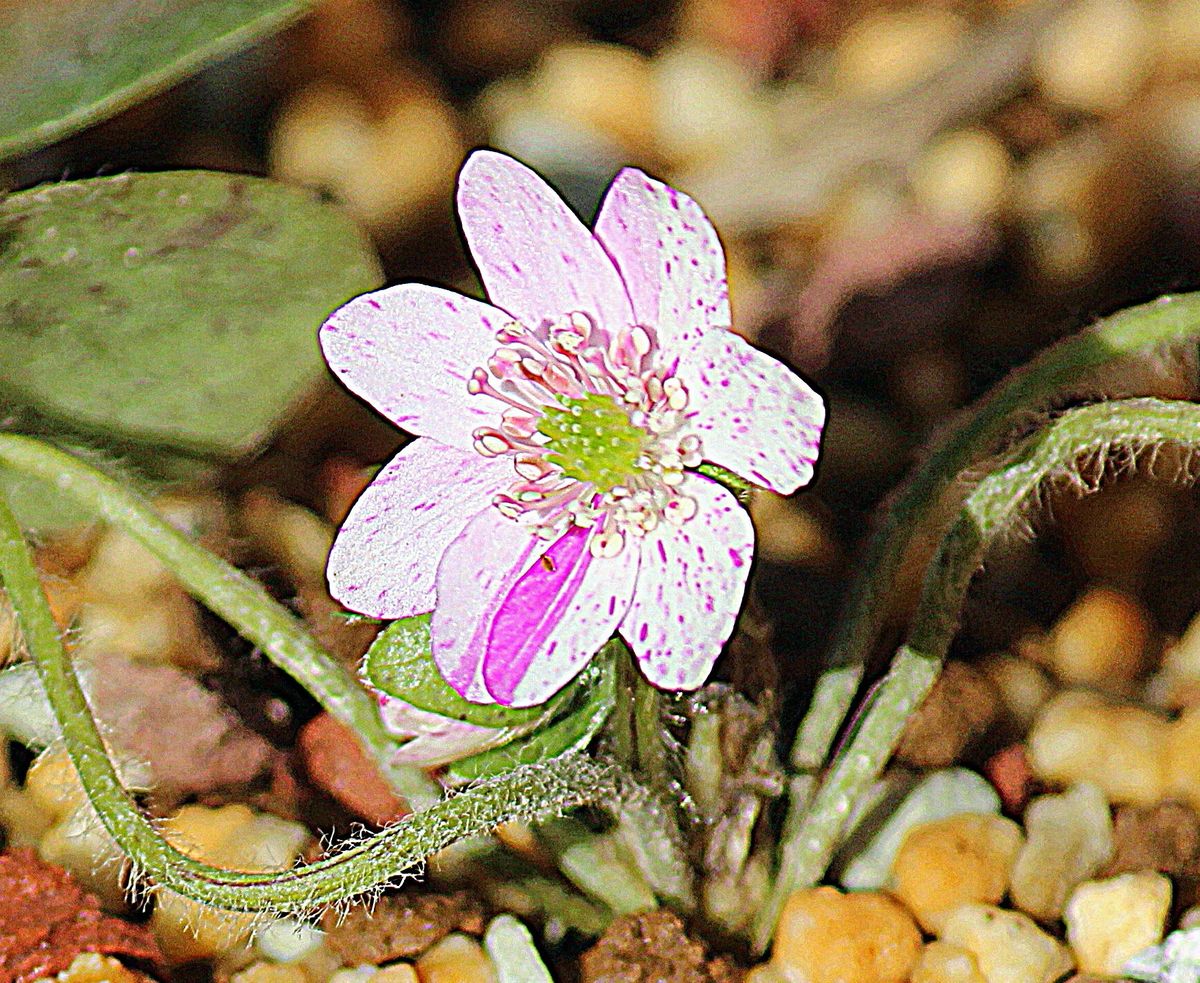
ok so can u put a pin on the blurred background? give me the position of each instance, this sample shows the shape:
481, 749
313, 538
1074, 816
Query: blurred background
913, 198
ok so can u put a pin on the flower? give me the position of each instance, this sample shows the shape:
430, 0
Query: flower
550, 500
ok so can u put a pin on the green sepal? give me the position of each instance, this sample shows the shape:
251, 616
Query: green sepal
400, 664
568, 733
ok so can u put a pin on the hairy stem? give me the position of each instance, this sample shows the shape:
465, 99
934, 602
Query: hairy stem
1071, 364
1117, 430
526, 793
228, 592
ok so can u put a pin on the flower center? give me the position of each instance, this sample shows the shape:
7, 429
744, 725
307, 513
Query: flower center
591, 438
595, 429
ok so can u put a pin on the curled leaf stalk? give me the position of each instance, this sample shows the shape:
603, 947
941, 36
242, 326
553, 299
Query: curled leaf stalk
1122, 431
526, 793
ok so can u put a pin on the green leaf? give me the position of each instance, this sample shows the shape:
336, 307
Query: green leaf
71, 63
170, 311
400, 664
571, 732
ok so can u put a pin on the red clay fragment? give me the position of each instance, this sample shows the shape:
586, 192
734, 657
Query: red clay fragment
47, 919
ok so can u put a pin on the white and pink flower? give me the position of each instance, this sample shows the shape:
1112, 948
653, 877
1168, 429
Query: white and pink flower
551, 500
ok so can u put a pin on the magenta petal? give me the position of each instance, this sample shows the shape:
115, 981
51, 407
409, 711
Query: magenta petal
753, 414
556, 617
384, 560
536, 258
669, 256
476, 571
409, 351
689, 588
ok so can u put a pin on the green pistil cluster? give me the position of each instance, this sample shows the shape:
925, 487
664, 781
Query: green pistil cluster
592, 439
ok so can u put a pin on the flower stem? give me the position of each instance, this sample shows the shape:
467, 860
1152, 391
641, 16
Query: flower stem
525, 794
648, 733
1116, 430
237, 598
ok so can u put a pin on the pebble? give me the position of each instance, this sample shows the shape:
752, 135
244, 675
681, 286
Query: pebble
604, 87
962, 705
1008, 769
890, 48
1109, 921
939, 795
705, 104
1101, 641
963, 176
1183, 758
1094, 57
941, 962
262, 972
1024, 687
457, 958
1008, 946
825, 936
1082, 737
92, 967
950, 862
233, 836
1069, 838
1164, 837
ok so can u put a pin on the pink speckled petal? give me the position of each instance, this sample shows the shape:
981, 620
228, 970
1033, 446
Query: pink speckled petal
753, 414
409, 351
384, 560
689, 588
669, 257
536, 257
556, 617
436, 740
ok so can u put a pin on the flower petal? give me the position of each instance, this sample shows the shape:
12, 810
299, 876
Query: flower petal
556, 617
536, 258
689, 588
436, 740
409, 351
669, 256
753, 414
485, 601
384, 560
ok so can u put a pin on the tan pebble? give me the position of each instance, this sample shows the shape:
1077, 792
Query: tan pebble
891, 48
233, 836
1183, 757
963, 176
319, 136
790, 533
605, 87
1024, 687
1181, 665
293, 537
270, 973
705, 104
456, 959
942, 962
409, 166
1008, 945
1082, 737
1110, 920
766, 973
53, 784
92, 967
1176, 27
949, 862
861, 937
1094, 57
1101, 641
1069, 839
396, 973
